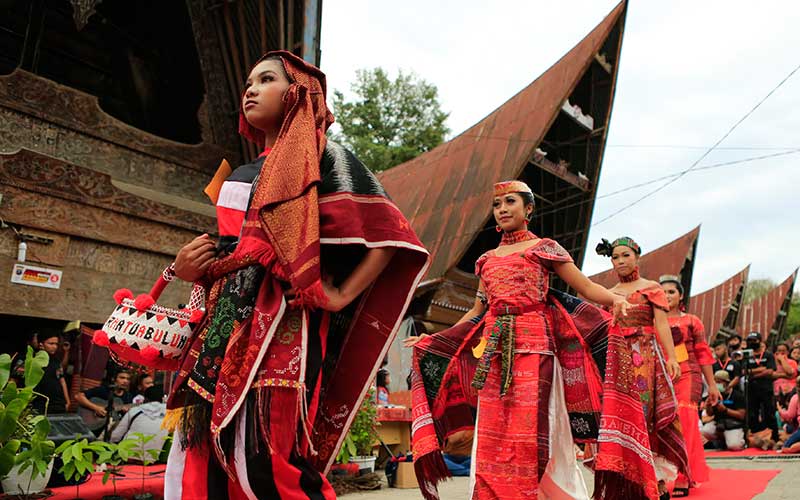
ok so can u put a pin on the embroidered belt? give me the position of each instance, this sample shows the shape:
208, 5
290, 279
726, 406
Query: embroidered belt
503, 334
501, 310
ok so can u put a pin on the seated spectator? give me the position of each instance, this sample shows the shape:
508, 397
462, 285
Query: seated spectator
784, 374
145, 419
795, 354
101, 394
383, 380
791, 416
143, 381
728, 415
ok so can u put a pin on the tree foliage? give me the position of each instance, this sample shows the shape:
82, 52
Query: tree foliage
757, 288
388, 121
793, 320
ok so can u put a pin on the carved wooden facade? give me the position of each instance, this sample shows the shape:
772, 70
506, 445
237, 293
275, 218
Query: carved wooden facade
107, 203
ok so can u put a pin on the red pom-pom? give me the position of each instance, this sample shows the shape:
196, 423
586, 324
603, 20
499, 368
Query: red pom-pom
150, 353
101, 338
143, 302
196, 316
121, 294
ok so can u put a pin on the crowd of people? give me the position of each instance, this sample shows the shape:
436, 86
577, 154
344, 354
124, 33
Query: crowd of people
759, 407
138, 404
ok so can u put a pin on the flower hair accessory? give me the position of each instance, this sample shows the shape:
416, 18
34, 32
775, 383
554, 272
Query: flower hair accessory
607, 249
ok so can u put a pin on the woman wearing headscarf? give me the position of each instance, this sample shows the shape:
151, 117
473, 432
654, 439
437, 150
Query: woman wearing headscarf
305, 290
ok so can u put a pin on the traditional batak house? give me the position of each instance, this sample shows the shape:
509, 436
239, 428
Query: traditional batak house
767, 314
719, 307
552, 135
113, 118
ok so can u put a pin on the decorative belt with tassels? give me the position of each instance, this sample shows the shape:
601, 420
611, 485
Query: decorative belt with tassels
503, 334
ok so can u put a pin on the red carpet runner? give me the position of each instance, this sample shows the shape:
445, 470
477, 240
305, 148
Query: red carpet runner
733, 484
748, 452
127, 486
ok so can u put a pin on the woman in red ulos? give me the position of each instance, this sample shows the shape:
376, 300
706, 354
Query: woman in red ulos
535, 382
305, 292
695, 358
638, 386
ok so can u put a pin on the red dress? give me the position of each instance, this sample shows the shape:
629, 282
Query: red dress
513, 435
637, 374
692, 352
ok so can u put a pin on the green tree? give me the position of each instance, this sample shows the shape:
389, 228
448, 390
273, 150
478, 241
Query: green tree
793, 319
388, 121
756, 289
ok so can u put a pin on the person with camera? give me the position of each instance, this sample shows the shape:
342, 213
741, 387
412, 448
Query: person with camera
728, 414
726, 363
760, 366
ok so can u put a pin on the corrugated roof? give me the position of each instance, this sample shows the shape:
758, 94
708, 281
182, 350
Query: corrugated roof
760, 314
446, 192
667, 259
712, 306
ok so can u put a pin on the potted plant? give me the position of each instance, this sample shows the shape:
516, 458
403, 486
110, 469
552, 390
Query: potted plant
78, 458
147, 457
26, 455
363, 434
343, 467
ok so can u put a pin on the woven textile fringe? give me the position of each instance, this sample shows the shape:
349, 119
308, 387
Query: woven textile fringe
612, 486
430, 469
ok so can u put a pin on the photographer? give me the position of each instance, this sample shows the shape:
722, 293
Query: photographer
760, 399
724, 362
728, 414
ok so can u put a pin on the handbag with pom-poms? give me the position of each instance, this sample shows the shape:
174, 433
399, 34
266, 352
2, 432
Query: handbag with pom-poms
142, 332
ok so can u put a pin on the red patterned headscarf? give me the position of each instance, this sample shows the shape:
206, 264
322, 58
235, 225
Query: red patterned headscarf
285, 194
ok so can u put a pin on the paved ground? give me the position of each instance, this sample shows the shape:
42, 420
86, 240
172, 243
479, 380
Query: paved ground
786, 485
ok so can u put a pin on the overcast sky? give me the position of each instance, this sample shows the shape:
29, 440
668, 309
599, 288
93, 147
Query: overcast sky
689, 71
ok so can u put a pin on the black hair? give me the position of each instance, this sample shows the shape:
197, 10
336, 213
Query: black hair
674, 280
47, 335
380, 380
527, 198
604, 248
735, 336
154, 393
719, 342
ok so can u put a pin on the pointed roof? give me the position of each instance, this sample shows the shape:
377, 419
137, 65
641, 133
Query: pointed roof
713, 305
446, 192
760, 314
667, 259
